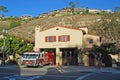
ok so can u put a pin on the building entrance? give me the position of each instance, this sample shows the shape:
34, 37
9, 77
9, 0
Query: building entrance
91, 60
69, 56
50, 50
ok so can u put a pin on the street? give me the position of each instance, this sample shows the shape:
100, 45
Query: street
48, 72
45, 73
102, 76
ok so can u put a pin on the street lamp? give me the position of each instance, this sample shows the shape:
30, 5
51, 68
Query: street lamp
4, 33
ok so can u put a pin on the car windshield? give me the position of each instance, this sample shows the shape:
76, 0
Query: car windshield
29, 56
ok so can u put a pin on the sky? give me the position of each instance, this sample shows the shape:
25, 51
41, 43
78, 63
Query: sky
37, 7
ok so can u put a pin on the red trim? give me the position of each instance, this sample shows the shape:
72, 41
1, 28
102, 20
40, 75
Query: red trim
59, 38
54, 38
68, 27
93, 35
68, 38
46, 39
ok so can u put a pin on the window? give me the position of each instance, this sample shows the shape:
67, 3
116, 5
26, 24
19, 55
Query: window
90, 41
68, 54
72, 54
50, 39
64, 38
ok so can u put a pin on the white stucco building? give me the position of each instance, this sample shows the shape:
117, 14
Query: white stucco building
66, 42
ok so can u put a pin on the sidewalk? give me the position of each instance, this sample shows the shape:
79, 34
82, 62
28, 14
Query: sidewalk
87, 69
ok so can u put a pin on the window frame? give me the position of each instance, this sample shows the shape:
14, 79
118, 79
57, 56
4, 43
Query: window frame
64, 38
50, 39
91, 41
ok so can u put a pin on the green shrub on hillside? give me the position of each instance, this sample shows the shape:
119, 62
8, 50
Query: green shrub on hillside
14, 24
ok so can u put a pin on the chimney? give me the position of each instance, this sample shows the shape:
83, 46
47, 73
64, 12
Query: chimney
85, 29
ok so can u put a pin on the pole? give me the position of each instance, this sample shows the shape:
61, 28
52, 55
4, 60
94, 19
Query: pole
118, 56
4, 32
3, 55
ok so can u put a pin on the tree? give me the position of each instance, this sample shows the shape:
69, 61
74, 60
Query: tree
117, 9
72, 6
3, 9
78, 3
98, 54
102, 53
14, 24
16, 45
108, 27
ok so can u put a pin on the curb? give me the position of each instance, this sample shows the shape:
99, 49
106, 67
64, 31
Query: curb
87, 70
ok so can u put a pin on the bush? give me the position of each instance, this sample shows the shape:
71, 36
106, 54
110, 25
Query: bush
14, 24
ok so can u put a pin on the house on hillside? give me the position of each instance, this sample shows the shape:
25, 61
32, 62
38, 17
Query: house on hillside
25, 17
43, 15
67, 44
94, 11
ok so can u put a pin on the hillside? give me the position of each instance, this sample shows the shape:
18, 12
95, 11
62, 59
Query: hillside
106, 25
4, 23
27, 32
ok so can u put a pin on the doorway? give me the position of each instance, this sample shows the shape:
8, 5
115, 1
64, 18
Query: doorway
69, 56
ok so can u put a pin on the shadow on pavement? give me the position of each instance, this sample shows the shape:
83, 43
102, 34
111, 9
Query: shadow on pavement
7, 71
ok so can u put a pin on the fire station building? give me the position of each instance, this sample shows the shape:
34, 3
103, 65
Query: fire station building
68, 44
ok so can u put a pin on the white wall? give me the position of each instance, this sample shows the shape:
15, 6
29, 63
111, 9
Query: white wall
76, 38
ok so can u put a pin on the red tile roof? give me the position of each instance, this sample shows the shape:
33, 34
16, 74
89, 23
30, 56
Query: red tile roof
94, 35
68, 27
